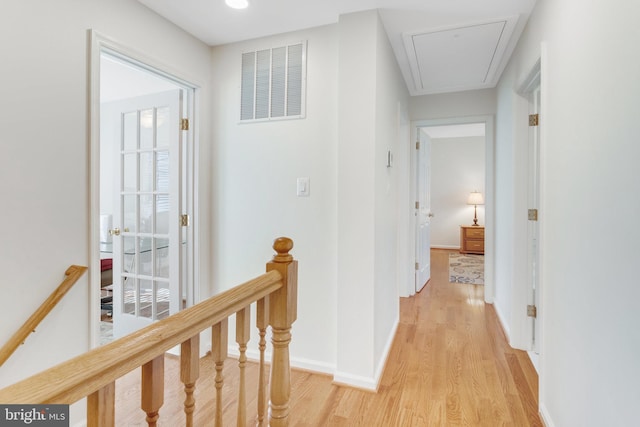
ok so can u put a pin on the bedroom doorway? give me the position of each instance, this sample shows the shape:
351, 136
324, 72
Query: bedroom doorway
454, 139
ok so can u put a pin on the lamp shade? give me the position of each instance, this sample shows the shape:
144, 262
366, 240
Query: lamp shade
475, 198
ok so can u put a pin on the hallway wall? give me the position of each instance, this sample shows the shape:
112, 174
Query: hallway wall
590, 340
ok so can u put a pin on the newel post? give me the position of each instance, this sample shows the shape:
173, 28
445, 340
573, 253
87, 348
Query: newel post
283, 311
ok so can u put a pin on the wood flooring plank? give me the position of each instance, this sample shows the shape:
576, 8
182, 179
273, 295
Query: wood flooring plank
449, 365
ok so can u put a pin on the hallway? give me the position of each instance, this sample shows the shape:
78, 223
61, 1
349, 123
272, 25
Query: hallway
449, 365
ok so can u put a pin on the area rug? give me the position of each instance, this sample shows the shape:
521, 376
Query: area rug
466, 268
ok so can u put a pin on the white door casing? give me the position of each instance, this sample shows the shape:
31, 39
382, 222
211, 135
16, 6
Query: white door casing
423, 211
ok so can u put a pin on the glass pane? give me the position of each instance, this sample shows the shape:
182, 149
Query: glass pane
145, 257
146, 171
162, 214
146, 213
162, 299
162, 258
129, 295
162, 171
130, 213
130, 131
130, 172
129, 254
146, 298
146, 129
162, 134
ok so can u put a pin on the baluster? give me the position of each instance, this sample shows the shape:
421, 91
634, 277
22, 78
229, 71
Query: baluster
101, 407
189, 373
282, 314
261, 323
153, 389
219, 348
243, 331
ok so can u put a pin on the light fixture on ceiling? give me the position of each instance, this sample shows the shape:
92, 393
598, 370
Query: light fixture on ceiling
475, 199
237, 4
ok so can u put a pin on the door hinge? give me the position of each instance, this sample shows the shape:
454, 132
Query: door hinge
532, 311
417, 205
184, 124
533, 119
184, 220
417, 266
417, 145
533, 214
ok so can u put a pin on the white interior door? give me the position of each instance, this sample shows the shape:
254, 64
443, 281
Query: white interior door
533, 253
423, 210
146, 241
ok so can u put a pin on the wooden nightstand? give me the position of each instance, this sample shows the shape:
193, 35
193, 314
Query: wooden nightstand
471, 239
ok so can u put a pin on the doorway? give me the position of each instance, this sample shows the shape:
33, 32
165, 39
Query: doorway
432, 128
142, 193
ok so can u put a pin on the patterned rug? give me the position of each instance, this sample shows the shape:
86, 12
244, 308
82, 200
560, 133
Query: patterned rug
466, 268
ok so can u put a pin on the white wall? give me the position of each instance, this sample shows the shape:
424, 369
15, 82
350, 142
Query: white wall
44, 176
590, 339
457, 168
392, 99
457, 104
255, 167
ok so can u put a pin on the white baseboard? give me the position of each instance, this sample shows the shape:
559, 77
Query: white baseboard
295, 362
544, 414
503, 323
457, 248
369, 383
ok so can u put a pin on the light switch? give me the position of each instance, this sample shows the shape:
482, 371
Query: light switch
303, 187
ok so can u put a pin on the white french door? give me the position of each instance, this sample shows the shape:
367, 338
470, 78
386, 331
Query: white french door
423, 210
146, 233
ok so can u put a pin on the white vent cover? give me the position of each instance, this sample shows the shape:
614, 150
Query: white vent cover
273, 83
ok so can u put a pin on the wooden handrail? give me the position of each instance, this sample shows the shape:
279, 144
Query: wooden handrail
76, 378
94, 374
73, 273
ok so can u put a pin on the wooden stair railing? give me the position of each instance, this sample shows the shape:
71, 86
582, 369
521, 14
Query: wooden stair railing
94, 373
73, 273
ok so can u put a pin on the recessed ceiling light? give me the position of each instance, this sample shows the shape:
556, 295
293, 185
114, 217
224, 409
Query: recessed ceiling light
237, 4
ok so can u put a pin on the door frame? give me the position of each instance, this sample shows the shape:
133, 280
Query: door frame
97, 43
489, 254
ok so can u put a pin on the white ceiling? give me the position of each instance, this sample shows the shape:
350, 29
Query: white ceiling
440, 45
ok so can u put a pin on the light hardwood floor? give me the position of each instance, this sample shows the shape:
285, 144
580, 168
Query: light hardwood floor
449, 365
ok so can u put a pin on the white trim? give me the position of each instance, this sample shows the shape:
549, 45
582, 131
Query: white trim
503, 324
545, 416
369, 383
457, 248
489, 259
295, 362
97, 44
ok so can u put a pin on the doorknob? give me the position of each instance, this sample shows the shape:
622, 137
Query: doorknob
116, 231
431, 215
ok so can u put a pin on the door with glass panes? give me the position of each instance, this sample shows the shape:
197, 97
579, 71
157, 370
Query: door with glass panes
146, 241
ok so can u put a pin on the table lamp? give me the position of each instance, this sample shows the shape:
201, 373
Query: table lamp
475, 199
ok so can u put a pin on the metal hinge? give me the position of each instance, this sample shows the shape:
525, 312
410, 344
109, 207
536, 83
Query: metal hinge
533, 214
417, 266
533, 119
417, 205
417, 145
184, 124
532, 311
184, 220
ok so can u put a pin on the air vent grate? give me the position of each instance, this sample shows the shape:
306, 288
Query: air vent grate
273, 83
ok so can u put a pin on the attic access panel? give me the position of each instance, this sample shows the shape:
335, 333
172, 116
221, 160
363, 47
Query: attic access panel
458, 58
